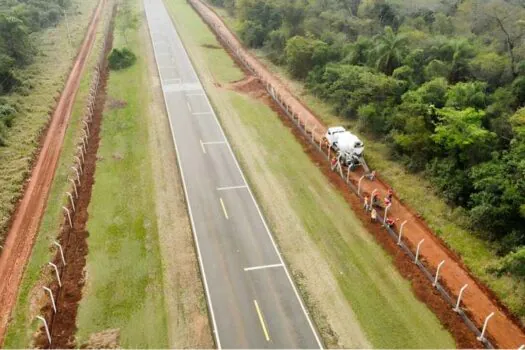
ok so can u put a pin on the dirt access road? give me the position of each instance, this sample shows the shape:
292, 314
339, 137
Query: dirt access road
478, 301
26, 221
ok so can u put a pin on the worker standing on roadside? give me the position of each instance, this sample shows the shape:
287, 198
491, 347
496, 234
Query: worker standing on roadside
366, 203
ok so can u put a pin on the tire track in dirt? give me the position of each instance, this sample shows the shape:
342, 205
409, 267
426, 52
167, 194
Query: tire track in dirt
504, 330
26, 219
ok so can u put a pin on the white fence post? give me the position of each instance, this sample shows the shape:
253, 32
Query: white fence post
87, 127
78, 175
79, 163
386, 213
81, 153
401, 232
522, 347
456, 309
50, 292
68, 216
61, 252
417, 250
56, 272
312, 131
437, 273
45, 326
481, 338
358, 184
74, 187
71, 200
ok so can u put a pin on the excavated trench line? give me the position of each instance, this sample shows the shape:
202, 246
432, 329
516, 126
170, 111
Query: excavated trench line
26, 220
62, 324
504, 330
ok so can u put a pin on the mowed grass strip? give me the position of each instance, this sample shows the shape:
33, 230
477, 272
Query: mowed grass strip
124, 274
31, 296
382, 300
46, 77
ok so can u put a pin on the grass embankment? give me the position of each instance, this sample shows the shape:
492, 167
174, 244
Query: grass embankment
124, 272
304, 211
418, 193
30, 297
46, 76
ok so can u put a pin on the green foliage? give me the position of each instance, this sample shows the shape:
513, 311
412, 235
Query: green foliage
390, 50
120, 59
303, 54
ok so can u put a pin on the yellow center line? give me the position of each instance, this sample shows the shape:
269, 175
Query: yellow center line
261, 319
224, 209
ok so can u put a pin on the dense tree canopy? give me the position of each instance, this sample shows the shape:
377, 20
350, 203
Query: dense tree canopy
441, 81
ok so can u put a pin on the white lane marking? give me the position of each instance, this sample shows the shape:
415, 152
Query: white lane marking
201, 113
174, 80
189, 106
181, 171
231, 188
203, 148
224, 209
196, 94
262, 267
214, 143
261, 319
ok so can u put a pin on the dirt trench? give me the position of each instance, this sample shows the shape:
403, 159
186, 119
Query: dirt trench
62, 324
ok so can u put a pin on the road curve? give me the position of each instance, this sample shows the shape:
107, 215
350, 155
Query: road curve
26, 222
252, 300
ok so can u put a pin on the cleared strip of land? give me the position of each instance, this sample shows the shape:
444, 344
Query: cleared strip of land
349, 283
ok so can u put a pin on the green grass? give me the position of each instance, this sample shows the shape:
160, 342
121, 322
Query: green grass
47, 76
382, 300
23, 324
124, 284
418, 193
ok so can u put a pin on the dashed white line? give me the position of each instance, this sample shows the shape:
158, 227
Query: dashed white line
201, 113
224, 209
202, 146
189, 108
262, 267
231, 188
214, 143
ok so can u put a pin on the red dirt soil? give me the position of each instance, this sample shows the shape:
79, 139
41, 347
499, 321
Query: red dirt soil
26, 222
478, 301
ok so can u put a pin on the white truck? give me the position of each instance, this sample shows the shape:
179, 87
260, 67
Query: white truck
347, 145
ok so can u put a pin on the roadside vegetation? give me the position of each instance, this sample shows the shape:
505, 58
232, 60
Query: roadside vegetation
360, 294
30, 297
35, 58
436, 89
124, 276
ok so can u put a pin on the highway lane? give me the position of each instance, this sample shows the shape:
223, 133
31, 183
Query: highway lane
252, 300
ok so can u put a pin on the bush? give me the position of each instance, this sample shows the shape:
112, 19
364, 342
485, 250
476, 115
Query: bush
120, 59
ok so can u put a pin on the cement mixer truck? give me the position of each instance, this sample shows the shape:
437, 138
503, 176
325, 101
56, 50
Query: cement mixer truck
348, 146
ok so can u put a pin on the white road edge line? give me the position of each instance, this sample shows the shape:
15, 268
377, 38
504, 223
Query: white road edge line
224, 209
231, 188
181, 171
202, 146
262, 267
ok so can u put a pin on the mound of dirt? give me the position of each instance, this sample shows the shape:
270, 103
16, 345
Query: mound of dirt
108, 339
249, 85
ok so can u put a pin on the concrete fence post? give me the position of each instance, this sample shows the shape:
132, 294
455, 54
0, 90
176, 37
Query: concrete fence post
386, 213
312, 131
79, 148
437, 273
417, 250
56, 273
458, 303
481, 338
74, 186
86, 127
522, 347
401, 232
78, 175
47, 328
61, 252
68, 216
71, 200
348, 177
358, 184
79, 163
50, 292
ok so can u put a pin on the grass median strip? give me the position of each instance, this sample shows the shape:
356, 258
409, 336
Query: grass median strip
124, 286
339, 268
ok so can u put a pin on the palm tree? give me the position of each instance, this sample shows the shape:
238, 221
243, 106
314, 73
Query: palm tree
390, 50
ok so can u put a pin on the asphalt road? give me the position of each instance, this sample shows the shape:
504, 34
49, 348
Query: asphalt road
251, 298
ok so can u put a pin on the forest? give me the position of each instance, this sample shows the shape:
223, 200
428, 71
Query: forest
442, 82
18, 20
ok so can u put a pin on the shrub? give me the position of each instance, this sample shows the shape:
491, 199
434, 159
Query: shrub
120, 59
